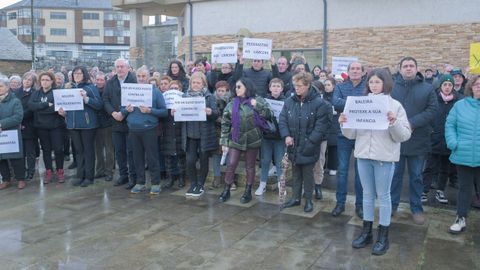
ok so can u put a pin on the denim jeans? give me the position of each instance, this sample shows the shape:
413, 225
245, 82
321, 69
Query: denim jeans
415, 167
344, 150
124, 154
376, 177
269, 148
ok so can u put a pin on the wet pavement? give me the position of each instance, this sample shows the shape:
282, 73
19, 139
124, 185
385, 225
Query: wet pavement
58, 226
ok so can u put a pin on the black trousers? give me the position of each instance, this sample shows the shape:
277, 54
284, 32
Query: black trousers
52, 139
124, 155
303, 175
467, 176
144, 143
194, 153
18, 166
332, 157
84, 142
437, 169
30, 153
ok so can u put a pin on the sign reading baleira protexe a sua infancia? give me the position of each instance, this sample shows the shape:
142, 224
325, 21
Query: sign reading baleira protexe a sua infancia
366, 112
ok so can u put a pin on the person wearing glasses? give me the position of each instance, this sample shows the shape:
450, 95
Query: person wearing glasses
462, 134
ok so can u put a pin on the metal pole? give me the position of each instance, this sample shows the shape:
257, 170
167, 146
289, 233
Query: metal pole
324, 45
33, 34
191, 29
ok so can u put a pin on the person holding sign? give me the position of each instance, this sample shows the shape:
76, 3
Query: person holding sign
176, 72
304, 121
50, 126
11, 114
198, 137
142, 125
260, 77
376, 152
243, 120
82, 125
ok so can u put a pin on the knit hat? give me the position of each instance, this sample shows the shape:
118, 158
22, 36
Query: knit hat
445, 78
457, 71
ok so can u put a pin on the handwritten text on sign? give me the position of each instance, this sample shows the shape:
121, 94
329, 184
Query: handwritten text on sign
68, 99
190, 109
276, 106
366, 112
170, 97
224, 53
255, 48
9, 142
137, 94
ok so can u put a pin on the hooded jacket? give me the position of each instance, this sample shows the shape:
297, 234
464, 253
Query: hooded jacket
45, 116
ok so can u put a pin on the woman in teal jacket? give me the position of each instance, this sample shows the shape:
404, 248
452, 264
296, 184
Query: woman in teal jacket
462, 134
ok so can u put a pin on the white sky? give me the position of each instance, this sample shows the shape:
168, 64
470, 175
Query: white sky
4, 3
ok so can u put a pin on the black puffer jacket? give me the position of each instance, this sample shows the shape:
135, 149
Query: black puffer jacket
420, 102
216, 76
334, 129
307, 122
439, 145
28, 130
104, 119
170, 136
112, 100
261, 78
45, 116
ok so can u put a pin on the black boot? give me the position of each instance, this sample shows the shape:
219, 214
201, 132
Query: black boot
291, 203
181, 181
247, 195
318, 192
308, 206
366, 237
225, 194
382, 245
166, 179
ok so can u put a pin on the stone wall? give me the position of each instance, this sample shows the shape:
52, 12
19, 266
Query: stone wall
8, 67
377, 47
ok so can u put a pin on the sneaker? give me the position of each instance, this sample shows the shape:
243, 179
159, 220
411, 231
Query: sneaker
459, 226
332, 172
198, 191
233, 186
440, 196
424, 197
261, 189
61, 176
191, 190
48, 177
137, 189
155, 190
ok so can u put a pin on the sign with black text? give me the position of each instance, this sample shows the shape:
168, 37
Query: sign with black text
190, 109
340, 64
256, 48
224, 53
9, 142
170, 96
276, 105
68, 99
366, 112
136, 94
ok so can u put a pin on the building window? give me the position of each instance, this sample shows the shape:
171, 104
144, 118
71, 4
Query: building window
24, 30
91, 32
121, 40
12, 15
14, 31
91, 16
58, 15
58, 31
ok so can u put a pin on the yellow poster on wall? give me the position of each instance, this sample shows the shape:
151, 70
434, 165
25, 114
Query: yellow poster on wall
475, 58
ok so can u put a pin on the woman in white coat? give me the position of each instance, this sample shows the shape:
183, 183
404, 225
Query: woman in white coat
376, 152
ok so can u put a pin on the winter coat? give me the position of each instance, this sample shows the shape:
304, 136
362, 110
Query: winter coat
138, 121
334, 129
286, 77
419, 101
104, 119
250, 136
45, 116
260, 78
462, 132
382, 145
28, 130
439, 145
307, 122
208, 138
112, 100
86, 118
184, 80
216, 76
11, 115
344, 90
170, 136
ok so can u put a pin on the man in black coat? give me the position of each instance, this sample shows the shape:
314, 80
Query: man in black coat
112, 101
419, 101
260, 77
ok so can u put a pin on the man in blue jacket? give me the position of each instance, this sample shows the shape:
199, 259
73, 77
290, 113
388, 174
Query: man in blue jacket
142, 124
354, 86
419, 101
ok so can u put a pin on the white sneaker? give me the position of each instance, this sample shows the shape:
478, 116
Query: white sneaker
332, 172
261, 189
459, 226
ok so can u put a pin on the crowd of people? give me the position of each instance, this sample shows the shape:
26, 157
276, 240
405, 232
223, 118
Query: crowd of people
433, 129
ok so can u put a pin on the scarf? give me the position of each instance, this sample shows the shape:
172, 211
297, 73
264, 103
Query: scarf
258, 121
446, 98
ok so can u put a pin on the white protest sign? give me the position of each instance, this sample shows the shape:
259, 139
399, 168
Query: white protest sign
366, 112
9, 142
170, 96
190, 109
224, 53
276, 106
136, 94
340, 64
255, 48
68, 99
